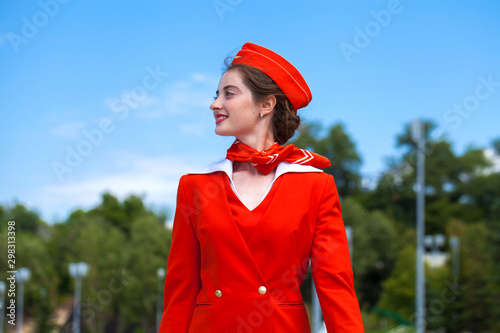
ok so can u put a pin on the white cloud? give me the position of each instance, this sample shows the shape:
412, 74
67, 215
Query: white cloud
154, 178
183, 96
180, 97
205, 78
70, 130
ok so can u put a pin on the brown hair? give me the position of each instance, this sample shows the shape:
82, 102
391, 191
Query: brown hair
285, 121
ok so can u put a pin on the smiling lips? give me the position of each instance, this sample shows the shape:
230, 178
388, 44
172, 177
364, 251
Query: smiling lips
220, 118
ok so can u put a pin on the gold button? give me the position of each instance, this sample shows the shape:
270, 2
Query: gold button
262, 290
218, 293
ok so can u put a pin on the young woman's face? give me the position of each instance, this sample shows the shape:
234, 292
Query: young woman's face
235, 112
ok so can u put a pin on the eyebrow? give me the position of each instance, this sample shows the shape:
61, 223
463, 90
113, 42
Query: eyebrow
227, 87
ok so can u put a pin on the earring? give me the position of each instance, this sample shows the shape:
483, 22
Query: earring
261, 115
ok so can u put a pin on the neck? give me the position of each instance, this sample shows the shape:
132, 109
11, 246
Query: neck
258, 143
239, 166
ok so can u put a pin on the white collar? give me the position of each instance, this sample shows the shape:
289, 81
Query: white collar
227, 166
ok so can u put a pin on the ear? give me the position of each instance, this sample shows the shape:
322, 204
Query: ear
268, 105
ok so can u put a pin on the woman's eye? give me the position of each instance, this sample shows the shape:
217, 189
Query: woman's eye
228, 93
215, 97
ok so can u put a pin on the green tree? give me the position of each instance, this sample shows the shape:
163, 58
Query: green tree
102, 246
124, 244
148, 251
481, 196
43, 313
338, 147
480, 299
374, 249
399, 288
27, 220
451, 183
123, 214
441, 297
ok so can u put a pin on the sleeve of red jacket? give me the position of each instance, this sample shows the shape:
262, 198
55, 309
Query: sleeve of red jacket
182, 281
331, 267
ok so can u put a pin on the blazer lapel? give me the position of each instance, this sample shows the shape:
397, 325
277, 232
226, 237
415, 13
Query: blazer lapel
235, 237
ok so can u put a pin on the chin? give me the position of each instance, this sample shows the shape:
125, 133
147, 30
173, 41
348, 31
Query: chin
221, 132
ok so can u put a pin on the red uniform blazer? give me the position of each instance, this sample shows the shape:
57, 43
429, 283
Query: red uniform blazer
218, 283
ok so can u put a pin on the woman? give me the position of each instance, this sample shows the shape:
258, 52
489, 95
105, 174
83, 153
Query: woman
245, 228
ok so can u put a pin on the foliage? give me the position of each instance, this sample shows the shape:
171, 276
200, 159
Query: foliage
481, 291
399, 288
338, 147
151, 243
43, 313
27, 221
456, 185
374, 249
124, 244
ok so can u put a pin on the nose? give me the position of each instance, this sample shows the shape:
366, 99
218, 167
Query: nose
216, 105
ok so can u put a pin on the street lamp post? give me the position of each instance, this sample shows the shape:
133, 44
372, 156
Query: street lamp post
316, 310
77, 270
159, 299
418, 137
455, 246
23, 275
348, 233
2, 304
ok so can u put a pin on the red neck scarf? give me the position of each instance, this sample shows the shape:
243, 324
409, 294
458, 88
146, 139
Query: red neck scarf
265, 161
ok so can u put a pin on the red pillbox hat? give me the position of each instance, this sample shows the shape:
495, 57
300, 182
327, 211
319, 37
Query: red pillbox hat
286, 76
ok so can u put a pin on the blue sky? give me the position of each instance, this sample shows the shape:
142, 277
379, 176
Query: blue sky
127, 85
